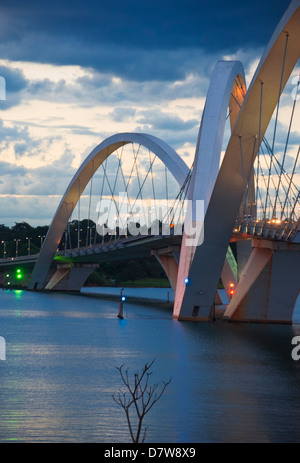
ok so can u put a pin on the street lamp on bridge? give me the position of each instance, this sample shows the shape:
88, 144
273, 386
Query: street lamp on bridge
17, 246
78, 237
41, 237
28, 245
4, 249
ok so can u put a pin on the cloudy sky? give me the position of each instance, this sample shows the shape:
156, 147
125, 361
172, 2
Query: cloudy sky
79, 71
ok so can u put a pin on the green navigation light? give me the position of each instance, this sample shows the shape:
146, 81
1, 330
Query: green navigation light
19, 274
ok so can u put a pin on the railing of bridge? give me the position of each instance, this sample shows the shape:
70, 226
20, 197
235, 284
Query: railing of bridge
275, 229
271, 204
15, 260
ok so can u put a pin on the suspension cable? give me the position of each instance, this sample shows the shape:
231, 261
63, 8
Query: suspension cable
285, 150
277, 109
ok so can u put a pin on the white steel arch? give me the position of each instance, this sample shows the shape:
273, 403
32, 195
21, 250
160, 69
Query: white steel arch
268, 82
163, 151
226, 91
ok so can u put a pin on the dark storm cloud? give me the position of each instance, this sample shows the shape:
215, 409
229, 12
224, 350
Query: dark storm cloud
132, 62
14, 78
155, 23
109, 36
15, 82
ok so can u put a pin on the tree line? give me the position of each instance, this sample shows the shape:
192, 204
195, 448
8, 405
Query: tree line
23, 239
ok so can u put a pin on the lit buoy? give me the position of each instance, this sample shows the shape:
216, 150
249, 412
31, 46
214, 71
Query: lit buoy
120, 314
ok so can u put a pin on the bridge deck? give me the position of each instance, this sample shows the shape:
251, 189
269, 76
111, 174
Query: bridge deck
142, 245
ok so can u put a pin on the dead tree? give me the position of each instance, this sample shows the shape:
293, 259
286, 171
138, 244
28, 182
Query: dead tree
141, 396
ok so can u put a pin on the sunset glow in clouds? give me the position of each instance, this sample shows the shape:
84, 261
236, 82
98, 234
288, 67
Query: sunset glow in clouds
78, 72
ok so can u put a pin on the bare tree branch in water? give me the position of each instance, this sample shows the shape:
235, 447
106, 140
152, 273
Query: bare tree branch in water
141, 396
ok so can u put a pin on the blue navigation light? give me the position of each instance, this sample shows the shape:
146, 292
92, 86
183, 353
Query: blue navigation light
186, 280
123, 298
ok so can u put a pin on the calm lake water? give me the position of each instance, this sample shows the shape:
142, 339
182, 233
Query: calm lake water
230, 382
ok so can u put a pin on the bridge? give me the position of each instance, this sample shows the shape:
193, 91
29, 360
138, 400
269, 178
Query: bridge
243, 189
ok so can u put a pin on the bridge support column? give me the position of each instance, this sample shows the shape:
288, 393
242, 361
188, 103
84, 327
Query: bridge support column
243, 251
269, 285
70, 277
168, 259
229, 272
2, 279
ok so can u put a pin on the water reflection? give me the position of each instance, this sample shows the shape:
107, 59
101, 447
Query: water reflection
230, 382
